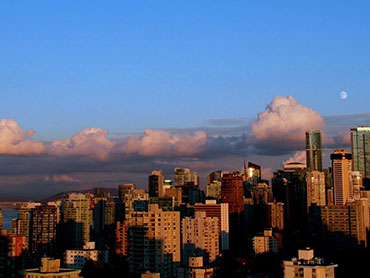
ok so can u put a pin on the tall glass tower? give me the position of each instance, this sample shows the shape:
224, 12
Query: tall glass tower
313, 150
360, 148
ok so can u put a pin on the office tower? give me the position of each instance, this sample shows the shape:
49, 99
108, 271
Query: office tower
232, 191
44, 230
313, 150
276, 215
308, 266
1, 220
330, 201
185, 175
200, 237
213, 190
156, 184
154, 241
315, 188
252, 173
342, 165
360, 148
76, 220
356, 184
50, 268
350, 220
221, 211
265, 242
214, 176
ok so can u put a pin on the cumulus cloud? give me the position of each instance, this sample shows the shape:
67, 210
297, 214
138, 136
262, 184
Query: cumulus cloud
15, 142
282, 125
299, 156
60, 178
89, 142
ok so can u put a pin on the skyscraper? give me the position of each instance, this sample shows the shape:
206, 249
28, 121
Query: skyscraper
76, 220
313, 150
44, 230
342, 165
232, 191
360, 148
156, 184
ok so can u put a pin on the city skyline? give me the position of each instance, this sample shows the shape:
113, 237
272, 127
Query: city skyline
91, 158
97, 94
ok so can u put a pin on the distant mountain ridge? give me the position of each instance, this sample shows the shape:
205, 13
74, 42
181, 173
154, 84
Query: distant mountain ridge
62, 195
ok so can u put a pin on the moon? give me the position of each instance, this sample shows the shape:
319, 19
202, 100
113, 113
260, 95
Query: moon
343, 95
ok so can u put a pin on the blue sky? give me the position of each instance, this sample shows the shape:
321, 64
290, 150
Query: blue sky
127, 65
175, 66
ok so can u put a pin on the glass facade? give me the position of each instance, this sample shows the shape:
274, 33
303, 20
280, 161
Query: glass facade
360, 144
313, 150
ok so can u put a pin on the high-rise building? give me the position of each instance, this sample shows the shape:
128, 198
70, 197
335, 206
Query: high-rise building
356, 184
76, 220
11, 250
153, 241
360, 148
200, 236
214, 176
125, 189
221, 211
342, 165
350, 220
265, 242
44, 230
156, 184
315, 188
1, 220
252, 173
129, 194
313, 150
232, 191
306, 266
185, 175
24, 222
213, 190
276, 215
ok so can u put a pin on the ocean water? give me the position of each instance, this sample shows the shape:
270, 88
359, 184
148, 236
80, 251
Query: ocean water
8, 215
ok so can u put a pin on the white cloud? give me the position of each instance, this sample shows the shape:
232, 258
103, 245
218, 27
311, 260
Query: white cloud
13, 140
285, 120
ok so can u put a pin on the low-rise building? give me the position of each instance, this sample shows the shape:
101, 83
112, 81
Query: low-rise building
50, 268
77, 258
308, 266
